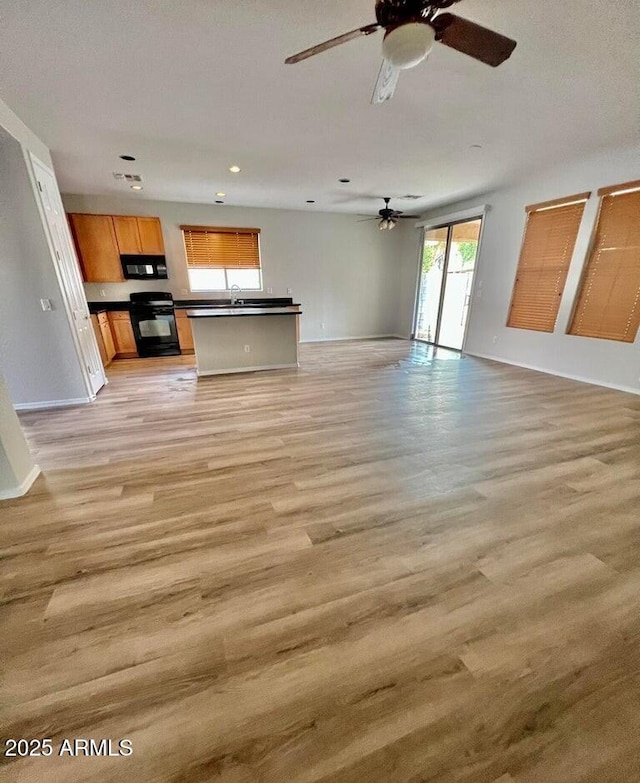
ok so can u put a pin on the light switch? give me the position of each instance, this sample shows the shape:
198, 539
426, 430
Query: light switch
45, 304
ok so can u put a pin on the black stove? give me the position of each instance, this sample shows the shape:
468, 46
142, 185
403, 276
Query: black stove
154, 324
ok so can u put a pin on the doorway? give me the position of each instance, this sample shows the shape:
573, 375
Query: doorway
448, 262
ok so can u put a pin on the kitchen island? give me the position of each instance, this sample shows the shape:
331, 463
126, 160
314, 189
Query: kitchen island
244, 339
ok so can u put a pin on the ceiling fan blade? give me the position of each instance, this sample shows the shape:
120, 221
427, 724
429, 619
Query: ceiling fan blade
366, 220
408, 217
366, 30
473, 39
386, 83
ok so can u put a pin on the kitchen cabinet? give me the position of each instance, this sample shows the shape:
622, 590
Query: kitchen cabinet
150, 231
107, 336
101, 239
98, 252
185, 333
127, 234
122, 332
104, 338
138, 235
99, 340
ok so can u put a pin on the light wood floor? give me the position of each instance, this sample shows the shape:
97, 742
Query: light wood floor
381, 567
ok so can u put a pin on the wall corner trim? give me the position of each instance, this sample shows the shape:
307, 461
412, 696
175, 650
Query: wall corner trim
23, 487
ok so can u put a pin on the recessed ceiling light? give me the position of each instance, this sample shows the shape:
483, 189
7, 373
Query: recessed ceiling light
310, 201
344, 180
137, 187
219, 202
220, 194
127, 157
235, 169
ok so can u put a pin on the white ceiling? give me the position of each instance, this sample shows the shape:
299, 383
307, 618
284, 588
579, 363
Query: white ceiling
191, 86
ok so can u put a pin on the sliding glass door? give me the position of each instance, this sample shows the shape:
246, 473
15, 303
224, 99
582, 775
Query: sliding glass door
446, 278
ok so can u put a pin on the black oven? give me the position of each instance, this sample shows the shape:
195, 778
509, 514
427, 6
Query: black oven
154, 324
144, 267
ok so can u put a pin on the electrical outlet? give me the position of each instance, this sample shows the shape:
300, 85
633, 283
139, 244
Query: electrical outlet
288, 290
103, 292
322, 324
247, 349
495, 339
269, 290
45, 304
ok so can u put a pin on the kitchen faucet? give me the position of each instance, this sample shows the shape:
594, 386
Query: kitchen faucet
235, 290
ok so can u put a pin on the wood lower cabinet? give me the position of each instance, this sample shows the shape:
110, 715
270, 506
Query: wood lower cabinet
122, 331
104, 338
107, 336
185, 334
99, 340
97, 246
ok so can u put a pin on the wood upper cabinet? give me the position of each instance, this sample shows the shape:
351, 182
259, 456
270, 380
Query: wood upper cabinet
139, 235
97, 247
127, 234
100, 239
122, 331
150, 231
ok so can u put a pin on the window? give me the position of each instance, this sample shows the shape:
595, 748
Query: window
549, 239
608, 302
221, 257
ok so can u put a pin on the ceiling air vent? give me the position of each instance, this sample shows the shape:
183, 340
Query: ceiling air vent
127, 177
411, 197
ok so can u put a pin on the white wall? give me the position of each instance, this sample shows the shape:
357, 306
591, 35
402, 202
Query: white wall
344, 273
38, 357
603, 362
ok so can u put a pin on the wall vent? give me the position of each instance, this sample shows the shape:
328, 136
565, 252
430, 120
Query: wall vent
127, 177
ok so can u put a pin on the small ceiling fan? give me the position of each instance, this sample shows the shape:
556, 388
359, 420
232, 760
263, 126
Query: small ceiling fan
389, 217
411, 28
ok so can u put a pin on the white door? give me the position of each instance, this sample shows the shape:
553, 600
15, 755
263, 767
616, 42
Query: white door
69, 276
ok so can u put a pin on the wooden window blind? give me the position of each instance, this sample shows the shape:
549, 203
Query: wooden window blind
209, 247
549, 240
608, 302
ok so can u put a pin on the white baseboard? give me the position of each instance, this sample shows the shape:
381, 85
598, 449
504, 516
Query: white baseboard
569, 376
345, 339
23, 487
233, 370
47, 404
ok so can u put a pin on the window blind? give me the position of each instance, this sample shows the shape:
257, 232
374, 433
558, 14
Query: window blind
209, 247
548, 244
608, 302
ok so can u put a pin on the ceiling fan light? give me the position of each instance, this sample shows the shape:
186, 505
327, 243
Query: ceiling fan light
408, 44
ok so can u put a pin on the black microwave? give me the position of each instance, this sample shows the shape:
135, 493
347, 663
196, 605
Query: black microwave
144, 267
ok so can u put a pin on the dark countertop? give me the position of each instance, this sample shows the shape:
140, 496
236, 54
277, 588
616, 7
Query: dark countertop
238, 311
187, 304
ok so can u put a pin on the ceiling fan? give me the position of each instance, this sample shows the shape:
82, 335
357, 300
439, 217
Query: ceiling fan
411, 28
389, 217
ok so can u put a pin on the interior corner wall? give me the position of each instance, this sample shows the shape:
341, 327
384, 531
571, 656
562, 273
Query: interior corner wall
38, 357
344, 273
604, 362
